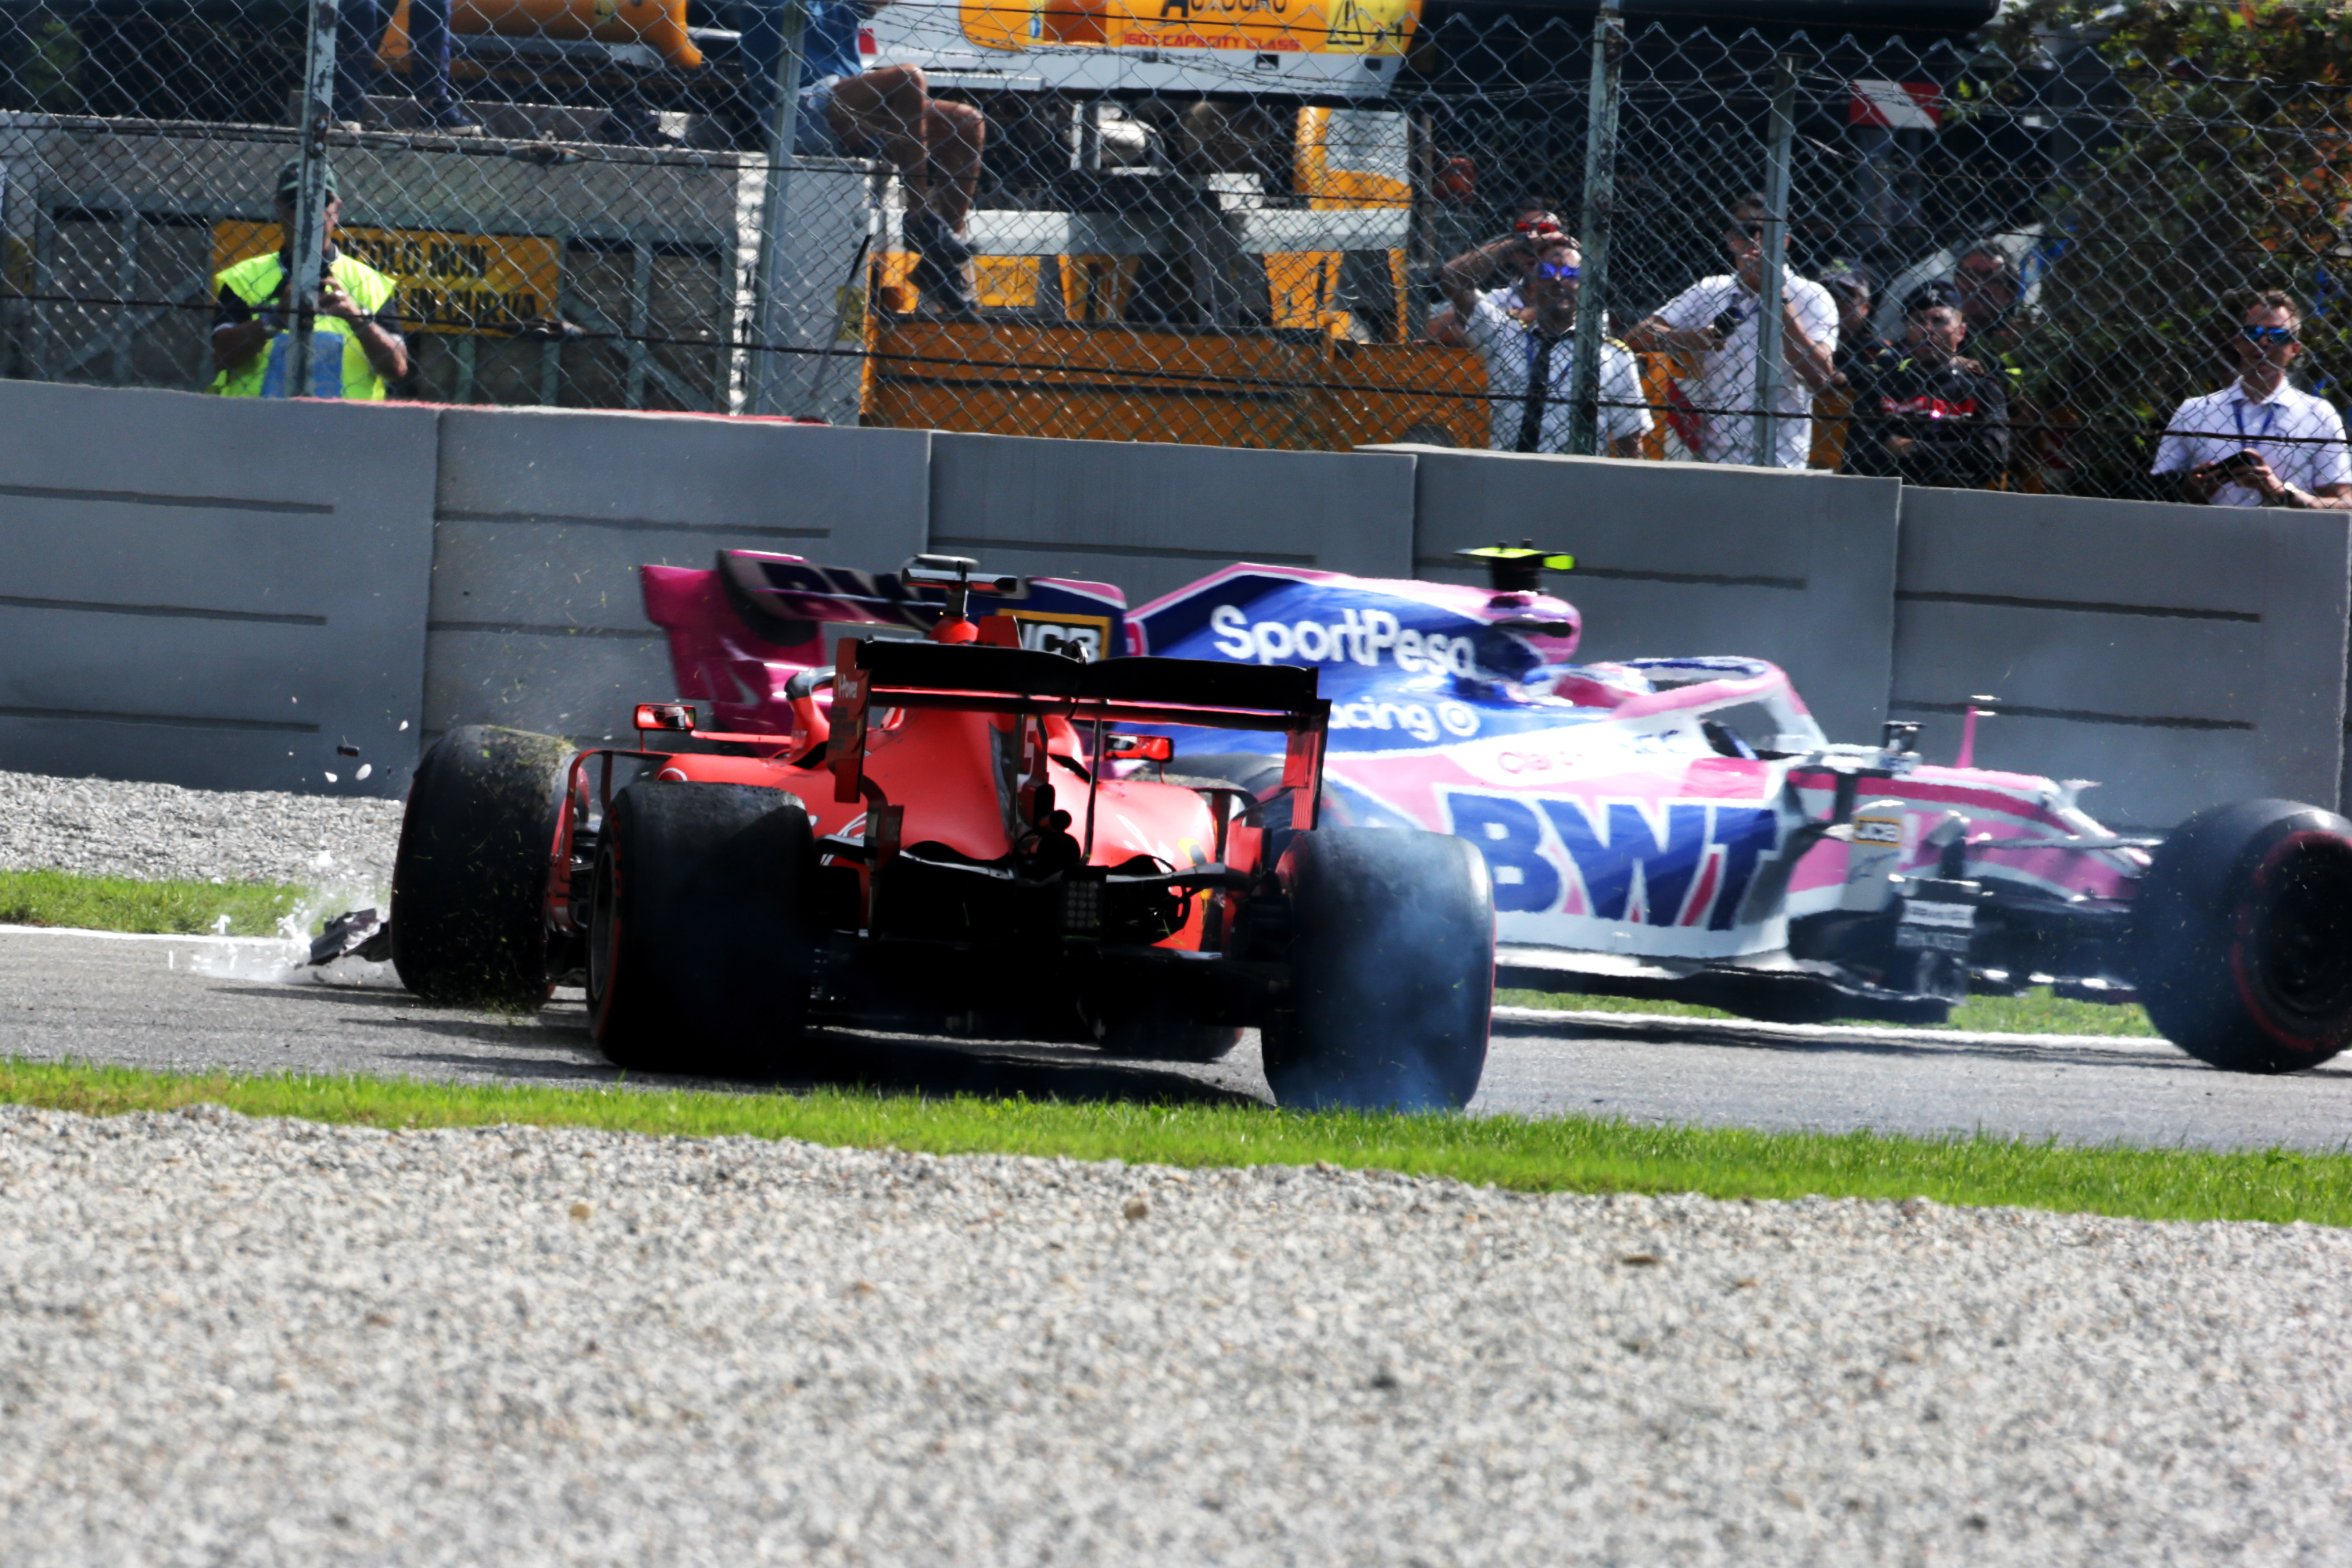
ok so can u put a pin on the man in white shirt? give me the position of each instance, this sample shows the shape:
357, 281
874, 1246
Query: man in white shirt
2259, 441
1719, 318
1527, 218
1530, 354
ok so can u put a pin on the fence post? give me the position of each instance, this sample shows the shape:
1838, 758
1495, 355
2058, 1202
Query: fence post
307, 246
1593, 225
768, 378
1779, 146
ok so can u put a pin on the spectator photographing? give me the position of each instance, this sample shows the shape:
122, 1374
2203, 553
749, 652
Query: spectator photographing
1530, 354
2259, 441
1930, 417
1527, 218
1718, 318
847, 110
356, 343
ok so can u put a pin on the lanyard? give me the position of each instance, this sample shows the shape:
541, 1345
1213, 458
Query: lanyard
2270, 417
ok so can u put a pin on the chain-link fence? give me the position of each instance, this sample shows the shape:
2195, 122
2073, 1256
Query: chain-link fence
1283, 224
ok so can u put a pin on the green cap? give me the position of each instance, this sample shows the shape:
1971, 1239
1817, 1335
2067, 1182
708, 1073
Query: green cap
289, 181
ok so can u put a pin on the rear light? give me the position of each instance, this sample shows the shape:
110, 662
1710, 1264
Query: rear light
665, 716
1082, 904
1150, 748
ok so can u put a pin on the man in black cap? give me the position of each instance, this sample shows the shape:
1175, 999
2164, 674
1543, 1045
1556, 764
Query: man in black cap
1932, 418
355, 341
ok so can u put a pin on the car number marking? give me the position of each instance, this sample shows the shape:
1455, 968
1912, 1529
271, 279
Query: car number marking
1928, 926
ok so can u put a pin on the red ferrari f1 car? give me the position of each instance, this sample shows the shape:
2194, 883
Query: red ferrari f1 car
960, 844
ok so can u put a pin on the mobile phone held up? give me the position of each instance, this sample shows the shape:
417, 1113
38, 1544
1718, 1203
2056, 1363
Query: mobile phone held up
2237, 463
1726, 324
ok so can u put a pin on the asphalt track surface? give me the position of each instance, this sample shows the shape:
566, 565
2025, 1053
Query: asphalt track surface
190, 1004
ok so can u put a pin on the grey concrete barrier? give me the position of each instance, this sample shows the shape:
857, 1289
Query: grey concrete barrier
543, 517
211, 592
1686, 558
2181, 656
1152, 516
230, 592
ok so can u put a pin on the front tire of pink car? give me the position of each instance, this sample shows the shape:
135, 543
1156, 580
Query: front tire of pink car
2242, 936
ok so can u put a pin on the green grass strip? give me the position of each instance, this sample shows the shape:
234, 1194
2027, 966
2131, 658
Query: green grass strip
126, 903
2035, 1013
1563, 1154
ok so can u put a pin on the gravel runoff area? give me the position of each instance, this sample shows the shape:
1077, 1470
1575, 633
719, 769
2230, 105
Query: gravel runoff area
234, 1341
163, 832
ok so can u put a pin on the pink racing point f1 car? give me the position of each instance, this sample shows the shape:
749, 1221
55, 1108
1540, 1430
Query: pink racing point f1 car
1682, 828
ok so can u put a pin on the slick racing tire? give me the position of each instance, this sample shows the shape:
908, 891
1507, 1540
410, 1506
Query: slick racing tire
2242, 936
701, 940
470, 882
1391, 972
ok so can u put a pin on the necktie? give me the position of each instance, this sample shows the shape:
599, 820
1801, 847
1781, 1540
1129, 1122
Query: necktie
1531, 412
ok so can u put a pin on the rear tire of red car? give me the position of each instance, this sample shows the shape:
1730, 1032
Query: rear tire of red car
1391, 972
469, 884
2242, 936
701, 944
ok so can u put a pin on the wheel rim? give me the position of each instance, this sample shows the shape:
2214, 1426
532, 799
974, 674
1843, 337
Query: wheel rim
2294, 949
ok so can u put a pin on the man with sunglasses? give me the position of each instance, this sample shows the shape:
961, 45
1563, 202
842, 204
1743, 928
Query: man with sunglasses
2259, 441
1527, 216
1530, 353
1716, 317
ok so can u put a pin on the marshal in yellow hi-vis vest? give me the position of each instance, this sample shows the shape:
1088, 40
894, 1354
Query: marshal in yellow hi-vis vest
345, 373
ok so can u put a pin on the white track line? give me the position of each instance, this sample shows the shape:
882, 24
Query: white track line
150, 936
1523, 1018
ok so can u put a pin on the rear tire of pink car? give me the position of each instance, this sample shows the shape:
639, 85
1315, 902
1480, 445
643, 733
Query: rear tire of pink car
2242, 936
701, 940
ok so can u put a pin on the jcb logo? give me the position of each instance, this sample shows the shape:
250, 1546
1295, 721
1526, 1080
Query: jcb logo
1663, 863
1082, 637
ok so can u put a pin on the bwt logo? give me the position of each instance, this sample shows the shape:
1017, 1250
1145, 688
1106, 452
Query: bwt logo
1365, 637
1662, 863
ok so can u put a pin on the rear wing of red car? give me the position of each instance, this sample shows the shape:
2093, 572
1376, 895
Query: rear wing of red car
977, 678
